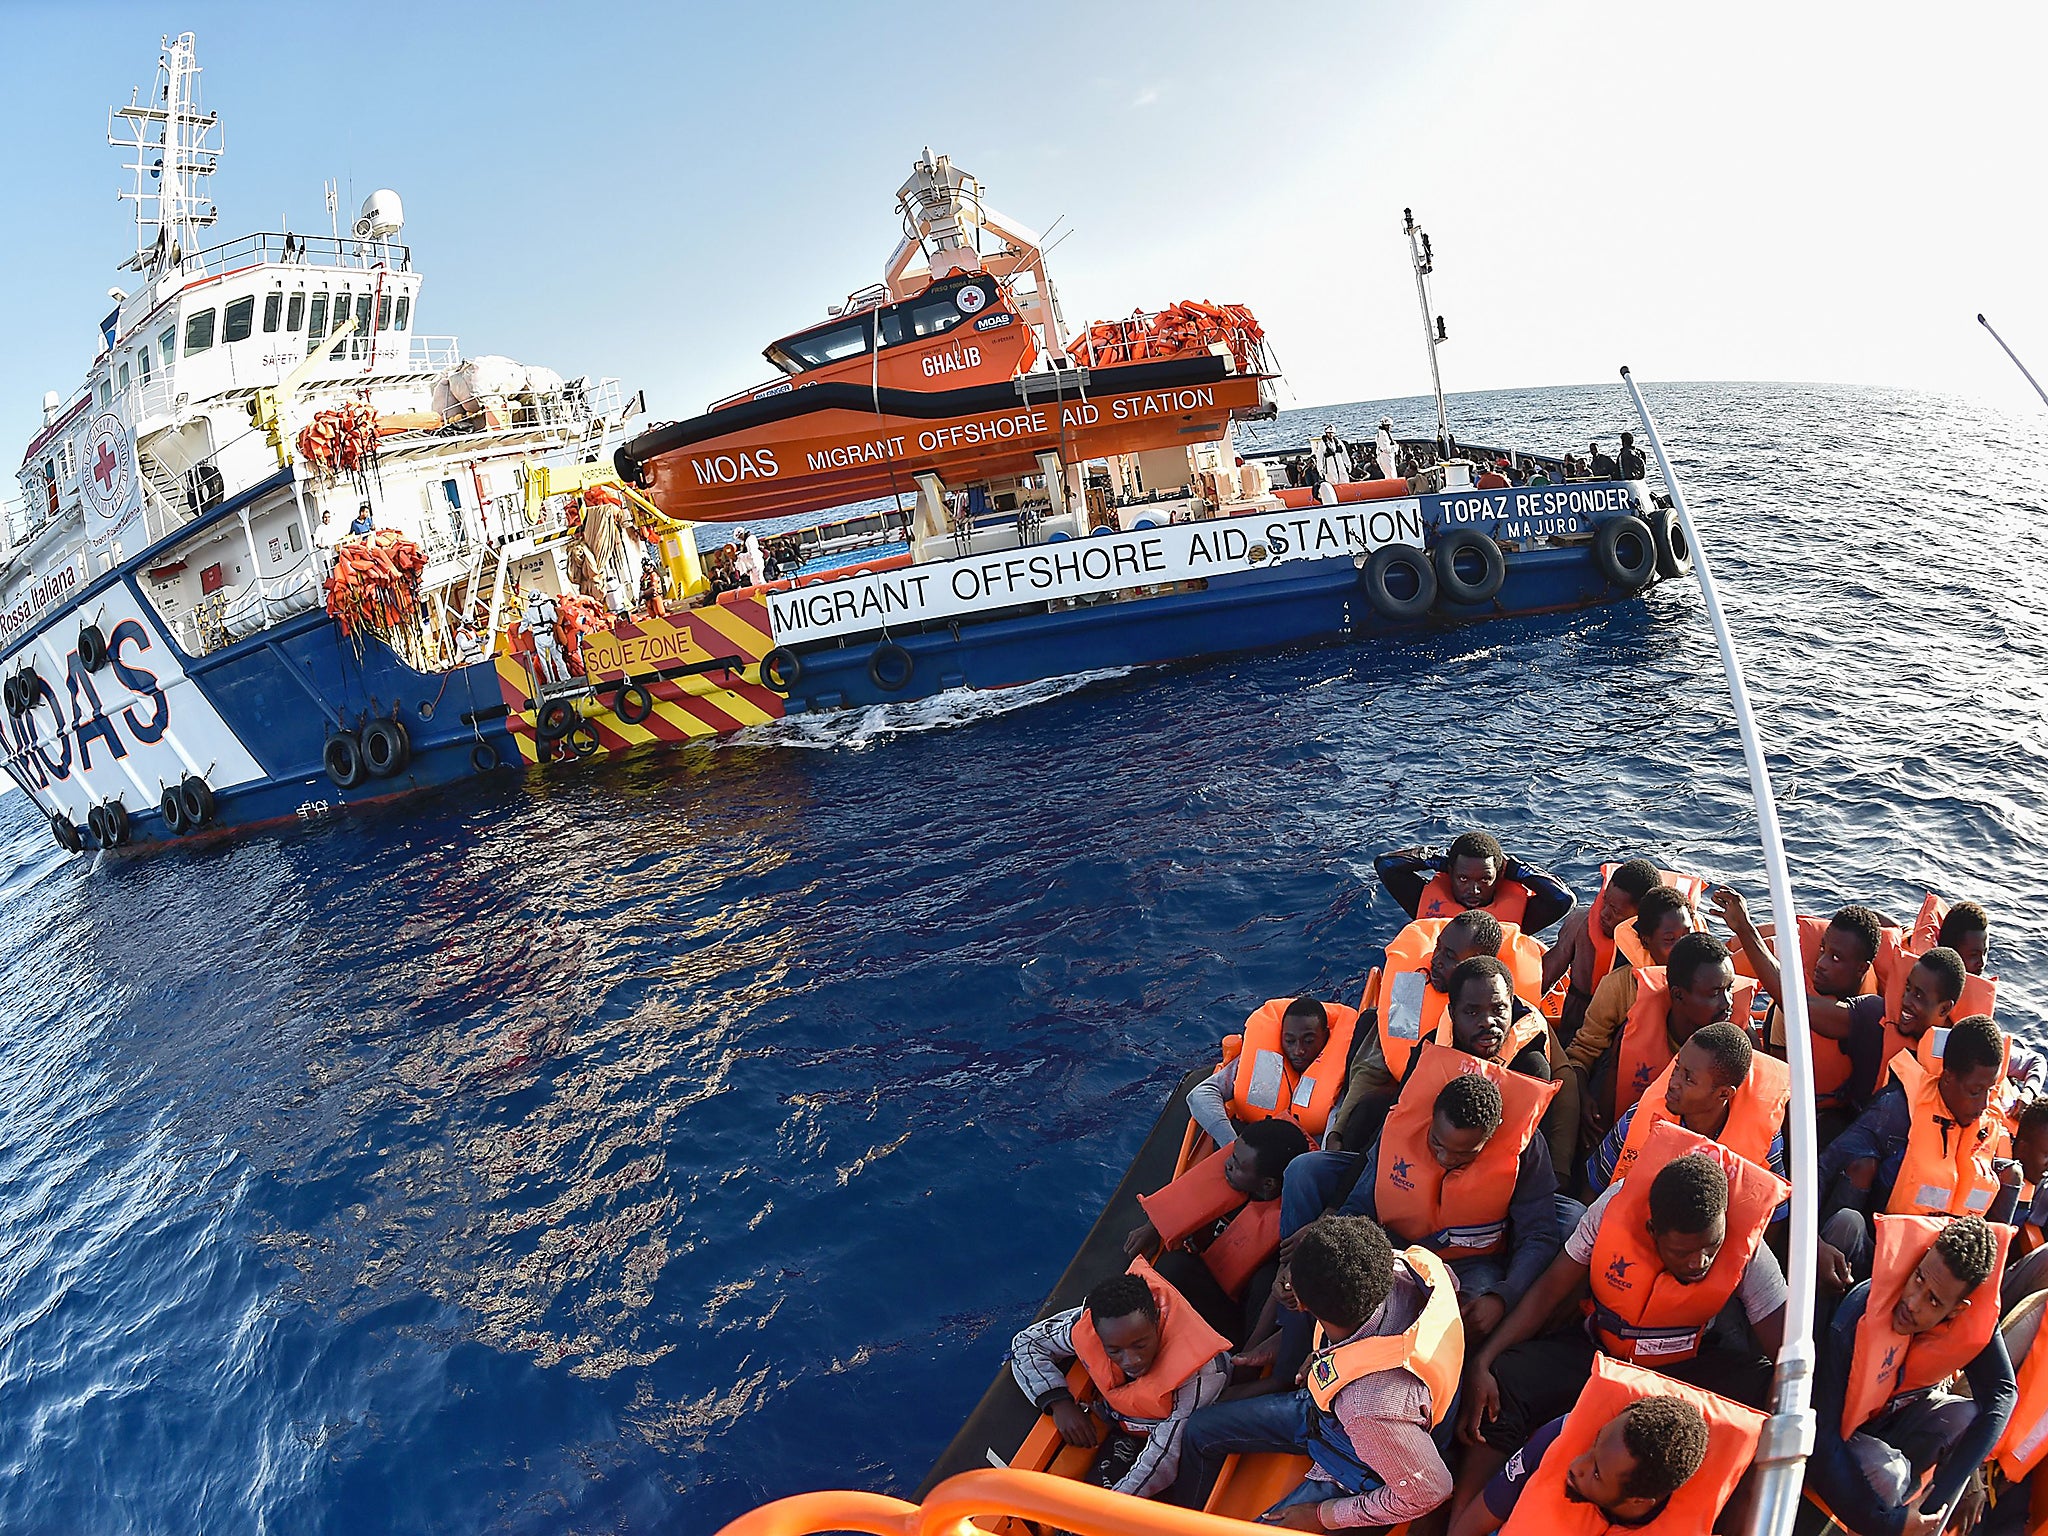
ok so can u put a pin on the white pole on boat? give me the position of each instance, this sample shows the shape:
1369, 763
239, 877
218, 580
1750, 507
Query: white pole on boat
1788, 1437
2043, 393
1419, 254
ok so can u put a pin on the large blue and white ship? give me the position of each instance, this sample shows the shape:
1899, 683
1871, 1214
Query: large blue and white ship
281, 554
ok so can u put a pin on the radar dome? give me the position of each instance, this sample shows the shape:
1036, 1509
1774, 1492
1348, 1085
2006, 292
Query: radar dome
383, 215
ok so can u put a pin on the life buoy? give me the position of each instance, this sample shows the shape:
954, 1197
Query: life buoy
343, 759
1884, 1363
483, 757
1545, 1508
385, 746
1641, 1312
92, 648
65, 830
1626, 552
1674, 550
1186, 1344
633, 702
890, 667
198, 801
555, 719
1456, 579
173, 807
1405, 567
782, 669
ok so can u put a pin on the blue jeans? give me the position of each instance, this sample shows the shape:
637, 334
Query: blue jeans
1308, 1185
1278, 1421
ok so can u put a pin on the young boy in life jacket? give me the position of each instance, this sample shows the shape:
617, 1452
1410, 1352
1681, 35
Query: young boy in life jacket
1475, 872
1928, 1145
1670, 1268
1718, 1086
1662, 918
1370, 1398
1585, 941
1153, 1362
1638, 1451
1290, 1066
1883, 1417
1966, 929
1220, 1224
1487, 1019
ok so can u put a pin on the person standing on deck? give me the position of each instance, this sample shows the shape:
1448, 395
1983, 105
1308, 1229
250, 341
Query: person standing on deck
1384, 448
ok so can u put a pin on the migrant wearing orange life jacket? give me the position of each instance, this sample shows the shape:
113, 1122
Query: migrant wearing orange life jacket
1947, 1169
2025, 1440
1646, 1050
1886, 1363
1461, 1213
1409, 1009
1545, 1509
1186, 1344
1832, 1068
1432, 1350
1266, 1086
1691, 887
1200, 1198
1755, 1116
1640, 1311
1510, 900
1895, 963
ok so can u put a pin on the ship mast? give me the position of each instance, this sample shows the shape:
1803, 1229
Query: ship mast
1433, 333
176, 149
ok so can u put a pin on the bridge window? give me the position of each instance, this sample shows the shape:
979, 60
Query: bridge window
404, 311
167, 346
295, 312
273, 306
356, 342
106, 394
238, 320
198, 332
126, 378
142, 357
815, 349
384, 312
316, 322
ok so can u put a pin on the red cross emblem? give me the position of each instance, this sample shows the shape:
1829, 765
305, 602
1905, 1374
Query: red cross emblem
104, 467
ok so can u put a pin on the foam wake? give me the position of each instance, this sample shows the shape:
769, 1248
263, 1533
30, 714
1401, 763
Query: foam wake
940, 712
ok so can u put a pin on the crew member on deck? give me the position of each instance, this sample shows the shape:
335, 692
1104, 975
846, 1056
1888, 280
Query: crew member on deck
1459, 1169
1153, 1362
1928, 1145
1290, 1064
1883, 1418
1640, 1451
1659, 1256
1475, 872
1384, 1379
1585, 942
1220, 1222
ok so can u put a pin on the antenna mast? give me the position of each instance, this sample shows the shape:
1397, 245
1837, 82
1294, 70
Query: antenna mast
1433, 331
176, 149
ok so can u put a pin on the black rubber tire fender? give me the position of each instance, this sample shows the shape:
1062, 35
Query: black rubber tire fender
583, 739
1626, 552
633, 702
119, 825
65, 830
386, 747
10, 694
198, 801
92, 648
890, 667
555, 719
343, 759
483, 757
1379, 574
1451, 580
173, 807
782, 669
1674, 550
96, 824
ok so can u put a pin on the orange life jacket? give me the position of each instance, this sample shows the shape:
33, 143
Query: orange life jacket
2025, 1439
1461, 1214
1691, 887
1755, 1116
1510, 900
1200, 1198
1947, 1169
1645, 1049
1409, 1009
1831, 1065
1267, 1087
1980, 993
1732, 1430
1640, 1312
1186, 1344
1432, 1349
1885, 1362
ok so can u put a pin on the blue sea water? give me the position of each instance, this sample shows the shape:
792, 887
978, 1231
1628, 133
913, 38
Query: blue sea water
616, 1151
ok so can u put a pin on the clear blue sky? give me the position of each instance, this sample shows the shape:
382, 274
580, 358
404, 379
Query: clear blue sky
1735, 191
